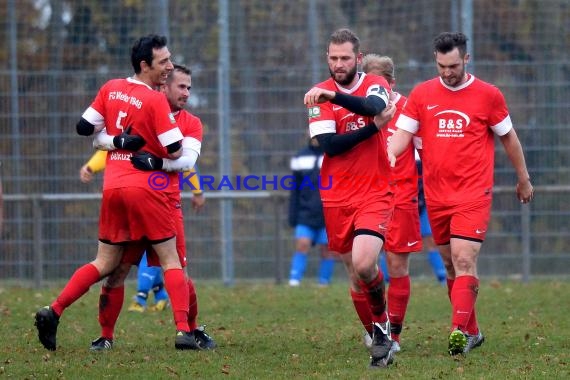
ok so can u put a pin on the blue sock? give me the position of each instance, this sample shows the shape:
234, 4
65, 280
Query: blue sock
437, 265
141, 298
159, 290
384, 267
326, 269
145, 280
298, 266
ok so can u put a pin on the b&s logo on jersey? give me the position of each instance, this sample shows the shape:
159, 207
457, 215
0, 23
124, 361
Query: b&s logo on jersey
355, 124
314, 112
171, 116
452, 123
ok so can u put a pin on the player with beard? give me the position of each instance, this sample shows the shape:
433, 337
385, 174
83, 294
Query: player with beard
456, 117
357, 204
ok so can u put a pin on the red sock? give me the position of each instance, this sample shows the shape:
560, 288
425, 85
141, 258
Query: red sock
374, 292
177, 289
362, 309
472, 326
110, 305
463, 298
398, 298
193, 310
77, 286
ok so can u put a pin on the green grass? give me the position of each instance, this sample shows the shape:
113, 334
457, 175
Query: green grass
274, 332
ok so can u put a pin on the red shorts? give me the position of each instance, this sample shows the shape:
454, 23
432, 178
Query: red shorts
133, 251
152, 257
341, 222
466, 221
135, 213
404, 231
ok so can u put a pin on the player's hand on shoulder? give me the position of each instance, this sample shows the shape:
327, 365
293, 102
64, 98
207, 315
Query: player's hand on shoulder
127, 141
146, 161
318, 95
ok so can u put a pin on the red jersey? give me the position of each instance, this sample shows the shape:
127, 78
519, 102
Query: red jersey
456, 126
363, 171
121, 103
192, 130
405, 173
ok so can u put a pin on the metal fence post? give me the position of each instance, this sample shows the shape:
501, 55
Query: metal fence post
525, 230
38, 267
224, 149
278, 240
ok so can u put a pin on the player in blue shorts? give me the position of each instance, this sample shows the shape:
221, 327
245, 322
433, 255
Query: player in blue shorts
306, 215
305, 238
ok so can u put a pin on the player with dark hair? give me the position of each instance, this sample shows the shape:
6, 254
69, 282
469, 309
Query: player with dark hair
456, 117
177, 91
357, 203
130, 210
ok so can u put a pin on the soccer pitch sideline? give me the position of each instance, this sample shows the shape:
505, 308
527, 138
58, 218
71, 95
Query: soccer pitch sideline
276, 332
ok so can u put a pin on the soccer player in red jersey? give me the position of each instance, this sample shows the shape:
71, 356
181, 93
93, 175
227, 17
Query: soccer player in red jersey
130, 210
177, 91
357, 200
404, 235
456, 115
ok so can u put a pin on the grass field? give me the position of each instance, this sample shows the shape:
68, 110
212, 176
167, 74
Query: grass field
275, 332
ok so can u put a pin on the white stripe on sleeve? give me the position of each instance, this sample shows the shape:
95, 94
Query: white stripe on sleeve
321, 127
170, 136
407, 124
503, 127
95, 118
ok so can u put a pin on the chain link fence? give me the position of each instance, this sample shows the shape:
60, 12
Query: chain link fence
252, 61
